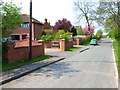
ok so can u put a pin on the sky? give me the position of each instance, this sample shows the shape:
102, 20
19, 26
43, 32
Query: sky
53, 10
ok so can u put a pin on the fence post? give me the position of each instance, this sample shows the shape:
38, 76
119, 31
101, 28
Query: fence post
78, 40
62, 44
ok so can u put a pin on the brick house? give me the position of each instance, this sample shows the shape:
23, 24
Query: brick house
46, 25
22, 31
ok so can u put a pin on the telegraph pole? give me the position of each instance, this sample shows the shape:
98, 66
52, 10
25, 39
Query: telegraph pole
30, 34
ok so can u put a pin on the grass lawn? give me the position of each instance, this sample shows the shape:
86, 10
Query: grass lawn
86, 43
116, 46
9, 66
72, 49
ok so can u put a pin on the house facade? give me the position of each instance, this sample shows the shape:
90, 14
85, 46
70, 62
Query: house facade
23, 30
46, 25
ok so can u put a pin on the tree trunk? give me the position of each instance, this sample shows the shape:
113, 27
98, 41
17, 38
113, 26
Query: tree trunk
88, 26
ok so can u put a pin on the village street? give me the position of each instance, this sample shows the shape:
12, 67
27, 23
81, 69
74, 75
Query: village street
93, 68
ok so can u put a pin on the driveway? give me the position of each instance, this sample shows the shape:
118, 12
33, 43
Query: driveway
93, 68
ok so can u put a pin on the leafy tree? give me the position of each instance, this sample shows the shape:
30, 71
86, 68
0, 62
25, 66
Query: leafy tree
107, 14
63, 24
73, 31
109, 24
11, 17
99, 32
112, 28
79, 31
108, 10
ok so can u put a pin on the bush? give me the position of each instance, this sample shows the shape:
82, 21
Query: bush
49, 32
43, 33
88, 38
62, 34
47, 38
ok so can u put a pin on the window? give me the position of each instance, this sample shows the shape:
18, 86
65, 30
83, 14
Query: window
25, 25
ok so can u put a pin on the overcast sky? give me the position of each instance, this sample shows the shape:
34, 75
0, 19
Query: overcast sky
53, 10
50, 9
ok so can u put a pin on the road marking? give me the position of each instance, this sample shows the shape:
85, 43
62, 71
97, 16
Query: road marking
116, 70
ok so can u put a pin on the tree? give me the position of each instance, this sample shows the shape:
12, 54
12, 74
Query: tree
108, 10
86, 30
73, 31
84, 8
109, 24
107, 14
11, 17
99, 34
79, 31
112, 28
63, 24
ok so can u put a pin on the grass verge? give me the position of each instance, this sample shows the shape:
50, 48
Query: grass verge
72, 49
116, 45
8, 66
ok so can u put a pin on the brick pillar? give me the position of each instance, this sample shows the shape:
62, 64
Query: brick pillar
20, 37
62, 44
78, 41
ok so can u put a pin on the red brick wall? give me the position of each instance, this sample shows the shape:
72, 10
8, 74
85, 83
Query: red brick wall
75, 42
65, 45
48, 45
68, 44
22, 53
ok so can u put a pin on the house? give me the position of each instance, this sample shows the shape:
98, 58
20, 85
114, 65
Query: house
23, 30
46, 25
19, 50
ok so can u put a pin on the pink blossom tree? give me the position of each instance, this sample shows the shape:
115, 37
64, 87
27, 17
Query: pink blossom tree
86, 30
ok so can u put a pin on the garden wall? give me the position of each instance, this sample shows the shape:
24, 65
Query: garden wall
22, 53
68, 44
65, 45
48, 45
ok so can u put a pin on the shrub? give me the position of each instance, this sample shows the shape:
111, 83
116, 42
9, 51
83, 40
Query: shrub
62, 34
47, 38
43, 33
49, 32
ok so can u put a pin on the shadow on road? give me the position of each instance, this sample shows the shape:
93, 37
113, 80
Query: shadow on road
56, 70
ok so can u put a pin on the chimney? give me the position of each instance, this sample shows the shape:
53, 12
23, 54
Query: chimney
45, 20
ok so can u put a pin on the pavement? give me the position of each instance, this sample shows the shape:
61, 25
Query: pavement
94, 68
58, 55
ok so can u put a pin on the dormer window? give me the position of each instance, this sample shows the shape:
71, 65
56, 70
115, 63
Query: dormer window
25, 25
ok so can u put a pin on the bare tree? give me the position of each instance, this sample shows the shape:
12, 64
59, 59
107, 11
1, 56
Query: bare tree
83, 9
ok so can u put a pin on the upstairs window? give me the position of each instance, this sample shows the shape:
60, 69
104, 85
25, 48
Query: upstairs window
25, 25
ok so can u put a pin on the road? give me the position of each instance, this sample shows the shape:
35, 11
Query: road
93, 68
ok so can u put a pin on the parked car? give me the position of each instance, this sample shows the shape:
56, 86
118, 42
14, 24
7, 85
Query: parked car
93, 42
7, 40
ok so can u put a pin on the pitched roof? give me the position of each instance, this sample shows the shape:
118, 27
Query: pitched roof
26, 18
